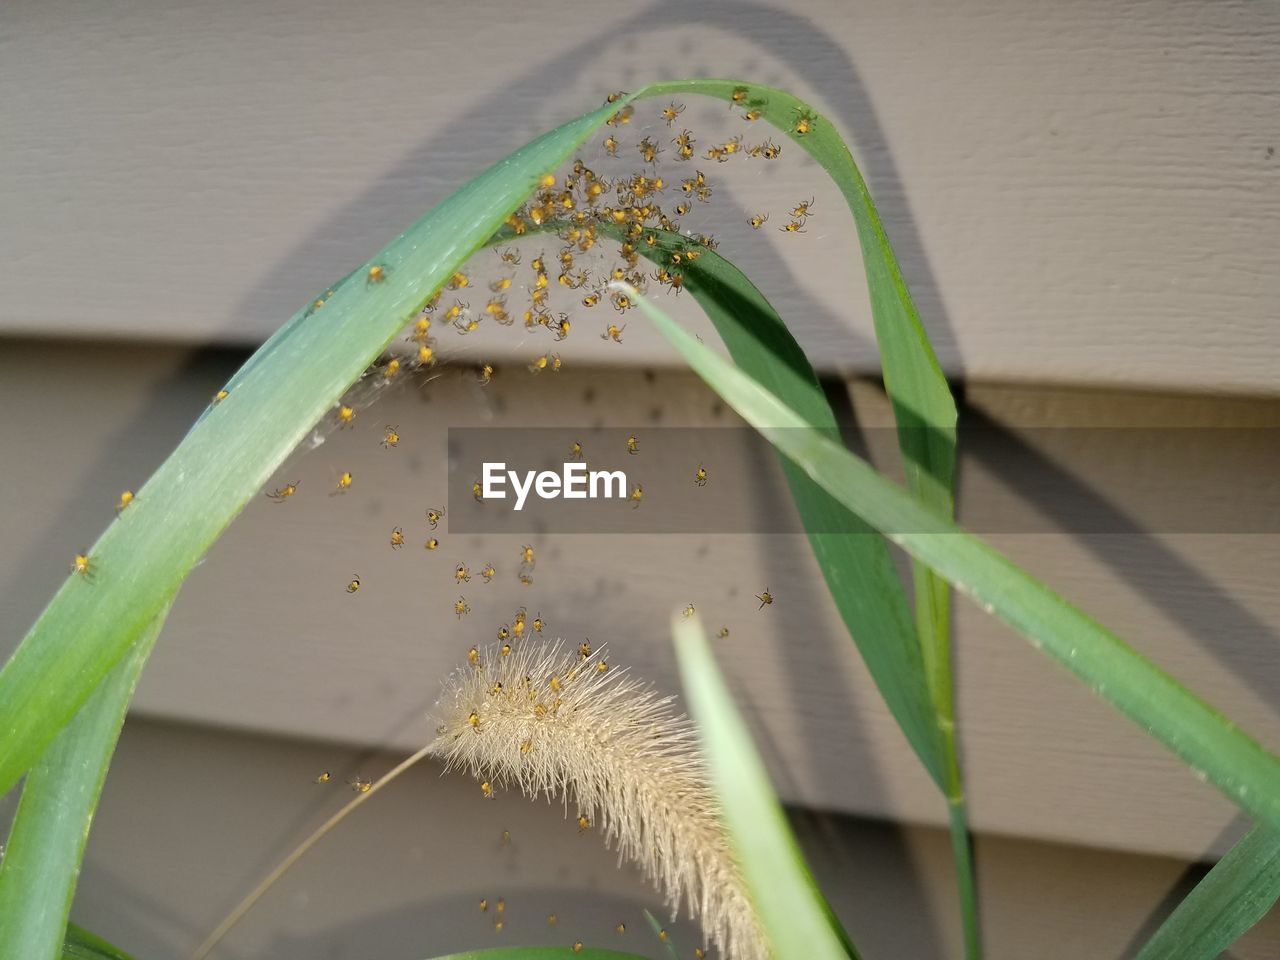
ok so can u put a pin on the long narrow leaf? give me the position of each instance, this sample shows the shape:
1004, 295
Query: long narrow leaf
46, 841
1231, 898
925, 413
857, 565
80, 944
1214, 747
792, 911
279, 394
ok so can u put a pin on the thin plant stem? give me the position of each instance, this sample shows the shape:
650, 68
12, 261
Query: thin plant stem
245, 905
966, 880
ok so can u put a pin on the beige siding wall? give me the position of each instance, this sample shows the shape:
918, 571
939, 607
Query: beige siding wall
1082, 192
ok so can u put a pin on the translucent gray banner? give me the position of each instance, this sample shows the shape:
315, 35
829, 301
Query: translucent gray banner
1095, 480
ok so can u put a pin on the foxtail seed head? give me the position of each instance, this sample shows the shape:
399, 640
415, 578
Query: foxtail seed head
551, 722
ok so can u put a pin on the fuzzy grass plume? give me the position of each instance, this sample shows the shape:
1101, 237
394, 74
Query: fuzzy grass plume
564, 723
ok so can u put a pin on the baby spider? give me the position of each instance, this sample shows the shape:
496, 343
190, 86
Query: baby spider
461, 607
485, 373
344, 483
637, 494
584, 824
391, 438
432, 544
537, 624
804, 122
700, 478
739, 95
391, 369
755, 113
622, 117
488, 572
377, 273
764, 598
80, 566
434, 515
758, 221
633, 444
614, 333
283, 493
487, 790
575, 450
397, 538
361, 785
648, 150
517, 622
723, 633
621, 927
325, 777
126, 498
461, 574
484, 905
220, 396
687, 612
584, 648
526, 555
354, 585
509, 255
426, 356
671, 111
459, 280
803, 209
477, 491
346, 415
795, 226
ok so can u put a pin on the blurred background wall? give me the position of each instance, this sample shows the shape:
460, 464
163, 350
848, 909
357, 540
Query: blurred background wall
1086, 202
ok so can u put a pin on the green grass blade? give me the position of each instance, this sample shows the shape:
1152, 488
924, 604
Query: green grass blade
1214, 747
857, 566
923, 406
46, 840
284, 389
80, 944
1231, 898
925, 413
793, 913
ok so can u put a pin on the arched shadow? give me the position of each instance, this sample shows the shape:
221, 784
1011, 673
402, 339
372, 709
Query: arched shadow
427, 174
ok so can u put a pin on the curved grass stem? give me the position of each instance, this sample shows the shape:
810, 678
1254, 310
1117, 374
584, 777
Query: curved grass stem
256, 894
